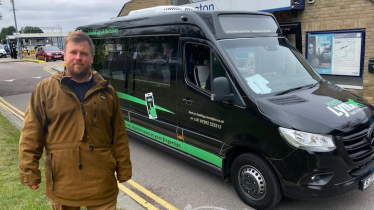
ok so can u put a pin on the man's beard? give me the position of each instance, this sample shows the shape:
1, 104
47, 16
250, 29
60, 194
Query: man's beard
79, 74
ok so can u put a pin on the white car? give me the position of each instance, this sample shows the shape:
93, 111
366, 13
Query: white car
3, 53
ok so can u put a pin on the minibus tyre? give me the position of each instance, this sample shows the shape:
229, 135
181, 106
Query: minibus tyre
258, 176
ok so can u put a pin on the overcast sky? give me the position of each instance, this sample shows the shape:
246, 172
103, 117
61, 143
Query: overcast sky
68, 14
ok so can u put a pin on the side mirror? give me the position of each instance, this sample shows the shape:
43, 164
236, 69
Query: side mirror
221, 90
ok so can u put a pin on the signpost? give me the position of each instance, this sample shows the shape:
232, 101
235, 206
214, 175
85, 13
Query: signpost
338, 53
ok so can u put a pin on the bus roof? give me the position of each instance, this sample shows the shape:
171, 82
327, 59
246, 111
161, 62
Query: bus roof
205, 20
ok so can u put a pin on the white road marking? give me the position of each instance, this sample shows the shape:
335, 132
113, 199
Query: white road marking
37, 77
9, 80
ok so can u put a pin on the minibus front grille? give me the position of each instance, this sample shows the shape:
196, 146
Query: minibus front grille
357, 145
289, 100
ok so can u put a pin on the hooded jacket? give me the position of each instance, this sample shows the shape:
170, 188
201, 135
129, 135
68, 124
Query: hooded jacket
85, 143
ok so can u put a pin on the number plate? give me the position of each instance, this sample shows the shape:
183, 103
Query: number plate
57, 56
367, 182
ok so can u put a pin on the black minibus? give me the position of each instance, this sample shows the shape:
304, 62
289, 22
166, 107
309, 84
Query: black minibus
227, 92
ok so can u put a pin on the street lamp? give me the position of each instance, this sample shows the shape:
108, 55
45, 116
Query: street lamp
15, 21
1, 17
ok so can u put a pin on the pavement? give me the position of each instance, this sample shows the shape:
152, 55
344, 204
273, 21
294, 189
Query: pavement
9, 60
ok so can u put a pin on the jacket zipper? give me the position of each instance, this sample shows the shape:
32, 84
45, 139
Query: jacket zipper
79, 165
83, 112
53, 178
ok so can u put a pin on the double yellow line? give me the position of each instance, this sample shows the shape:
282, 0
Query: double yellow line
8, 107
21, 115
48, 69
146, 192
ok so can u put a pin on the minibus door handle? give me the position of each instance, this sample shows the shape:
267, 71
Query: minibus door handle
188, 101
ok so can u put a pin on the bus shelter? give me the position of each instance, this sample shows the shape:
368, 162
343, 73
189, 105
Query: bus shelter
55, 39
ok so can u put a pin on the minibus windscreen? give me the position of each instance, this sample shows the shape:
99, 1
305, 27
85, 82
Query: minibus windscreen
269, 65
239, 24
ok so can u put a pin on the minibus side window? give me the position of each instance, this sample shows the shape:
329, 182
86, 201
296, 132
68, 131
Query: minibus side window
154, 57
197, 64
201, 63
110, 59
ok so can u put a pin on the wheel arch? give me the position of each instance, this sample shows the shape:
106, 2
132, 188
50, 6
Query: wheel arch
236, 151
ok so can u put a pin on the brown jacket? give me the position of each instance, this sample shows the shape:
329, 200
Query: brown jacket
84, 144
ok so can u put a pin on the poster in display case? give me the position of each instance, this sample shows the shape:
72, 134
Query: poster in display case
338, 53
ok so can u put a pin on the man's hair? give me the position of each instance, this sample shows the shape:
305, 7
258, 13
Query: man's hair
78, 36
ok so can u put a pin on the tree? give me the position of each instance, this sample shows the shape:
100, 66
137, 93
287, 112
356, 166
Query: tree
30, 30
7, 31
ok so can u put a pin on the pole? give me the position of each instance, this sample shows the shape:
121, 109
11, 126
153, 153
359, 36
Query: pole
15, 21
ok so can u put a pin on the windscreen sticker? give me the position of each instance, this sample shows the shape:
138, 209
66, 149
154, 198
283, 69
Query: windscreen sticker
206, 120
258, 84
347, 109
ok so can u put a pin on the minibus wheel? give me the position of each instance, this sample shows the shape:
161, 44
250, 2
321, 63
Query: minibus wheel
255, 181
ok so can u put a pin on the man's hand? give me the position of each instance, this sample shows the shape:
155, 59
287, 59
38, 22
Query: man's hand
34, 187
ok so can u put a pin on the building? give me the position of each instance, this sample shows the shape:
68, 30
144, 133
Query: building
336, 36
55, 39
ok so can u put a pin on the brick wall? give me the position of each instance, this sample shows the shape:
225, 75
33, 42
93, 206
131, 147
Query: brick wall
141, 4
329, 15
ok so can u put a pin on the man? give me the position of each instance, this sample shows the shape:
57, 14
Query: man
11, 50
14, 50
76, 118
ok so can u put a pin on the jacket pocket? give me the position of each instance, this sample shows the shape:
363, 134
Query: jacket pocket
82, 173
64, 166
102, 159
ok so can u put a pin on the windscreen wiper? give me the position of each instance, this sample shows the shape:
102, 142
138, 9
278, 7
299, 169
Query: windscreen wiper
298, 88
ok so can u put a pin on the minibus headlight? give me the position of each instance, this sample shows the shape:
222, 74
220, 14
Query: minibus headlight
308, 141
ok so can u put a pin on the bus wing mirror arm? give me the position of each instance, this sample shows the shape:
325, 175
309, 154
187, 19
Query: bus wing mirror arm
221, 90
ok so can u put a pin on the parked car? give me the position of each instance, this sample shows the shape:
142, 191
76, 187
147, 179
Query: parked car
47, 53
3, 53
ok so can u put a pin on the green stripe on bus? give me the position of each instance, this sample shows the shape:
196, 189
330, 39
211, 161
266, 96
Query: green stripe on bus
194, 151
139, 101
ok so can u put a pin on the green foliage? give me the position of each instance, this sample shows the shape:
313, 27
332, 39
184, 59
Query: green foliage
98, 63
30, 30
7, 31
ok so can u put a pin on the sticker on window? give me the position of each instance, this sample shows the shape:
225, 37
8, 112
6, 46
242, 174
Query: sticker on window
258, 84
151, 108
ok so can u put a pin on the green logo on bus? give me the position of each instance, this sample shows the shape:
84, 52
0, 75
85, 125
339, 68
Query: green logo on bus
101, 32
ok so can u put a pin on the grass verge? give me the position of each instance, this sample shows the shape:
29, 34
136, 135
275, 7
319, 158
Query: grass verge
12, 194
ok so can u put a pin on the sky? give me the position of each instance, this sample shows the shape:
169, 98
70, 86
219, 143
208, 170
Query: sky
68, 14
